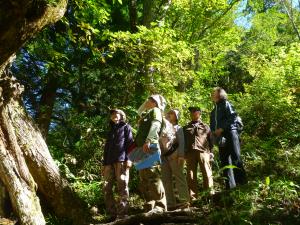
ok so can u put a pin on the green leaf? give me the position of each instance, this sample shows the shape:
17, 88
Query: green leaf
267, 181
120, 2
228, 167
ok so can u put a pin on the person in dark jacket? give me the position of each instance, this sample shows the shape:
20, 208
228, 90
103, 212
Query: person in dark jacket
198, 148
223, 124
116, 164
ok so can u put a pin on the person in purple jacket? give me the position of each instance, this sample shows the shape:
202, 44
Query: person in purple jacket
116, 164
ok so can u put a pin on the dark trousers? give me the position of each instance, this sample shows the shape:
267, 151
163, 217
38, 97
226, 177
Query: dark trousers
230, 154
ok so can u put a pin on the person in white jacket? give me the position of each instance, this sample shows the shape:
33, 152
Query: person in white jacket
172, 166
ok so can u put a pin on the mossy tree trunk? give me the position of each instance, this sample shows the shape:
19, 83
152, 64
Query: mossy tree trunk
25, 162
14, 172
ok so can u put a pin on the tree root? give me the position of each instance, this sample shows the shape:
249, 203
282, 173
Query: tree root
187, 217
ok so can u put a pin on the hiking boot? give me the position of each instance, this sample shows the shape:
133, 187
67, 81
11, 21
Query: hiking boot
179, 206
156, 209
148, 207
183, 205
172, 208
111, 218
121, 217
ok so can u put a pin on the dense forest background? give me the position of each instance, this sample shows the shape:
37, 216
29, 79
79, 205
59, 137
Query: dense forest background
114, 53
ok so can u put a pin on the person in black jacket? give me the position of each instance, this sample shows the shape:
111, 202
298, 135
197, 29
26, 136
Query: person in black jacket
223, 124
116, 164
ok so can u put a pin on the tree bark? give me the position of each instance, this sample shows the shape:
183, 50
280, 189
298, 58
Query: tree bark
14, 172
163, 9
148, 12
133, 15
20, 20
42, 167
35, 168
25, 162
46, 104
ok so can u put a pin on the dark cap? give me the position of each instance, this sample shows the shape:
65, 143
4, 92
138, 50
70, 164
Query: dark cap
194, 109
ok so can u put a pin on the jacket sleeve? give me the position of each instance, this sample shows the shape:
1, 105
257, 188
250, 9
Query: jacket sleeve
230, 116
180, 140
106, 146
185, 139
210, 140
212, 120
153, 134
128, 136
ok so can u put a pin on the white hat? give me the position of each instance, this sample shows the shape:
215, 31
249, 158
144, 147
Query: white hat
160, 101
176, 112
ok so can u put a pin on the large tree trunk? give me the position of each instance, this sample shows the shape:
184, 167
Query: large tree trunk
25, 162
148, 12
22, 19
155, 14
13, 169
133, 17
46, 104
54, 188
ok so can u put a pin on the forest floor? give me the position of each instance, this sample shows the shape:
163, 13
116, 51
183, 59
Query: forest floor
246, 205
272, 195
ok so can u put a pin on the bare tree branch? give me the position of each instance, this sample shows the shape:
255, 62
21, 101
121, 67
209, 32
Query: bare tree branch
232, 4
291, 18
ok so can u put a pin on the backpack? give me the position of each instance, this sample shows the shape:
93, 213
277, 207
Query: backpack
239, 124
167, 136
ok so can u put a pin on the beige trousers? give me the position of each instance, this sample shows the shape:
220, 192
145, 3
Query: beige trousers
116, 173
193, 158
152, 189
174, 181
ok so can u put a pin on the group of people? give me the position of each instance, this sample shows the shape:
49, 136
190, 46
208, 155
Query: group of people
165, 185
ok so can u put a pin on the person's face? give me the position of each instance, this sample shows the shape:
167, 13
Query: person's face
115, 117
215, 96
195, 115
171, 117
150, 104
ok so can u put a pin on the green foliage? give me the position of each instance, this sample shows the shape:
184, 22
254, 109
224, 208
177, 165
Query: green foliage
157, 61
257, 204
271, 102
91, 192
53, 220
79, 144
98, 62
270, 197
